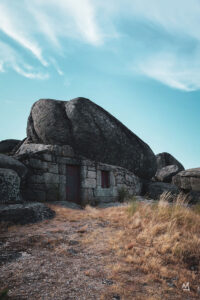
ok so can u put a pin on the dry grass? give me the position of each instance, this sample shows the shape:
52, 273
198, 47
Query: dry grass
162, 240
147, 250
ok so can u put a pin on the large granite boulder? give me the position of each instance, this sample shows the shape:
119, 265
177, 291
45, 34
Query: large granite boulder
188, 180
166, 173
25, 213
28, 150
155, 189
166, 159
8, 162
9, 186
92, 132
6, 146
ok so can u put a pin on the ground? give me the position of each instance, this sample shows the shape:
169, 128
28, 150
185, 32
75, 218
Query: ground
73, 257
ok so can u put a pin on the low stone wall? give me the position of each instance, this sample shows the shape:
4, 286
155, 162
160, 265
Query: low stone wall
46, 180
92, 191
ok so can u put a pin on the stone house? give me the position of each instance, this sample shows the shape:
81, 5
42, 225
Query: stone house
56, 173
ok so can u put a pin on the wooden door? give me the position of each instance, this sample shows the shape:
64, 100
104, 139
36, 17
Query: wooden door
73, 183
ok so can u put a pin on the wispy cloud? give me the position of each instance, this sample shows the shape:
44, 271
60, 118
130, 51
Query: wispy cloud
173, 64
10, 59
14, 27
172, 71
41, 28
34, 24
1, 67
175, 16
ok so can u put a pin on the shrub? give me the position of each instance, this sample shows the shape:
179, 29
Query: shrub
4, 293
123, 194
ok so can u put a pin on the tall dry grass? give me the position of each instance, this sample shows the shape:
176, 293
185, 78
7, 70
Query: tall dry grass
162, 240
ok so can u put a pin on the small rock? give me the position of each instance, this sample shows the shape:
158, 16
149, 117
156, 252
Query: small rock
73, 242
72, 251
107, 281
116, 297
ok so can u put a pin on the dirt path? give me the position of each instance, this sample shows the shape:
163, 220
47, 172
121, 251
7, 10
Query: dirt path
70, 257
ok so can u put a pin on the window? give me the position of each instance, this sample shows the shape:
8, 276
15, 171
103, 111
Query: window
105, 180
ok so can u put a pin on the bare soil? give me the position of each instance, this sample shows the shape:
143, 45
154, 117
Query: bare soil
71, 257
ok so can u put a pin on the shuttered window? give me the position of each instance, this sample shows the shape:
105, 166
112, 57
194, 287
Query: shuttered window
105, 179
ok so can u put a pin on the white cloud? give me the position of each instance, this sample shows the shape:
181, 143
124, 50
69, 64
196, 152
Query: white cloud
1, 66
56, 66
175, 16
31, 75
37, 23
42, 27
14, 27
172, 64
170, 70
10, 59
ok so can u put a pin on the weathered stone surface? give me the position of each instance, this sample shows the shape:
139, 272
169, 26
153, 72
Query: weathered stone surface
30, 149
38, 164
89, 183
188, 180
35, 195
193, 197
9, 162
91, 174
166, 173
25, 213
165, 159
9, 186
67, 204
92, 132
6, 146
155, 189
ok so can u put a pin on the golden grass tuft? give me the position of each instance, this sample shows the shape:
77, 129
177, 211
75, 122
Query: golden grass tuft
161, 239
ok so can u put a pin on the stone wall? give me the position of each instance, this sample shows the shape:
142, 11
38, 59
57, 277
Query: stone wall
46, 180
92, 191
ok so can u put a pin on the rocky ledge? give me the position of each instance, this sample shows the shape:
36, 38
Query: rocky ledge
25, 213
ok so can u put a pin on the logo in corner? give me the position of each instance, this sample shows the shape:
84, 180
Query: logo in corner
186, 286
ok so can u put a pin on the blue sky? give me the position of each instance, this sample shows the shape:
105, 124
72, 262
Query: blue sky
139, 59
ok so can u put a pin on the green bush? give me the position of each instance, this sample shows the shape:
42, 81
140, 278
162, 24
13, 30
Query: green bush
4, 293
123, 194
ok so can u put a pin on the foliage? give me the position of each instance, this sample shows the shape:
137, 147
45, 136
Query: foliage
123, 194
4, 293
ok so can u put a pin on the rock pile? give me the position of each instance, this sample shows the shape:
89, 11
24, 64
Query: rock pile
92, 132
80, 133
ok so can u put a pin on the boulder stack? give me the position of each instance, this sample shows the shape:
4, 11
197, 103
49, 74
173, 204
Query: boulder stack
6, 146
188, 180
9, 187
92, 132
167, 167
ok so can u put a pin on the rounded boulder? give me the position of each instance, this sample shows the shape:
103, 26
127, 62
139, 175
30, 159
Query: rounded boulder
92, 132
9, 186
8, 162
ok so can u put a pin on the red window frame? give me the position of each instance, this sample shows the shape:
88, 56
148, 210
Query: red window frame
105, 179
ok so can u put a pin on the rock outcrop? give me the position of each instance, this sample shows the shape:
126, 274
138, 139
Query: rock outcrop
25, 213
48, 175
188, 180
27, 150
166, 173
6, 146
166, 159
9, 186
92, 132
8, 162
155, 189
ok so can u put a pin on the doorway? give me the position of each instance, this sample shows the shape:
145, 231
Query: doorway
73, 183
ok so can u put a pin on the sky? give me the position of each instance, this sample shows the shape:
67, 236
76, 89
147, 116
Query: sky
138, 59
